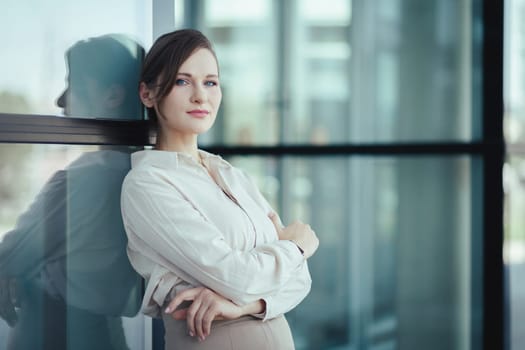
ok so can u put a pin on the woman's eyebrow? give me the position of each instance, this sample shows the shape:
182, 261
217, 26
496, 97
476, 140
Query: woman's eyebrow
190, 76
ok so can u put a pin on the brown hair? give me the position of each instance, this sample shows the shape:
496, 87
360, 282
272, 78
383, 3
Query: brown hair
163, 61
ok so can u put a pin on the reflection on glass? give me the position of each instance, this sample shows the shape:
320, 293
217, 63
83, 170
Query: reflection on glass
32, 71
65, 278
64, 272
395, 268
337, 71
103, 74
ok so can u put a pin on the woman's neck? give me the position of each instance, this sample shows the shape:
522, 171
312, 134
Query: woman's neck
187, 144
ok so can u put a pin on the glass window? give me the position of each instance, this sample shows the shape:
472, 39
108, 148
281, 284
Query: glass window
338, 71
65, 279
514, 169
514, 248
244, 36
397, 267
96, 47
515, 71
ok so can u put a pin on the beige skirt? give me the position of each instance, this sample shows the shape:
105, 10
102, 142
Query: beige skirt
245, 333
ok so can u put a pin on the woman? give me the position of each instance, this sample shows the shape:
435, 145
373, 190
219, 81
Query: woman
220, 268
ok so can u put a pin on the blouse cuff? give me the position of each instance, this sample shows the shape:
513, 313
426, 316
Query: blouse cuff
295, 250
267, 313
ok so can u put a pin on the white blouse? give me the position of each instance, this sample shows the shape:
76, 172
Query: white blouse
188, 226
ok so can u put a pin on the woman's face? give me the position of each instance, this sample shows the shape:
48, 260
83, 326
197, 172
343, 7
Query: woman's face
191, 106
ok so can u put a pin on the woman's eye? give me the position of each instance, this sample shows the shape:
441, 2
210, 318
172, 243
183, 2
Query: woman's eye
181, 82
211, 83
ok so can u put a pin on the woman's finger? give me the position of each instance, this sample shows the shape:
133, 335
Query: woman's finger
190, 315
200, 317
209, 317
186, 295
276, 220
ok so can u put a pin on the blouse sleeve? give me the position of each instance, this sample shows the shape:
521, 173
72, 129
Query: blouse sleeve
179, 238
289, 296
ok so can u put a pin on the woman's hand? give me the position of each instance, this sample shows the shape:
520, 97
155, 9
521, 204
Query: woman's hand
206, 307
301, 234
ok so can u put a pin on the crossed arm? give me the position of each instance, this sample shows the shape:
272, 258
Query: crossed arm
207, 306
253, 279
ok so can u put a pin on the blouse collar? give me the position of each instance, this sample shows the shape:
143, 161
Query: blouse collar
171, 160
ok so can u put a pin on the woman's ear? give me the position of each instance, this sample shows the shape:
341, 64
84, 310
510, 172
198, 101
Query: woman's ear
146, 95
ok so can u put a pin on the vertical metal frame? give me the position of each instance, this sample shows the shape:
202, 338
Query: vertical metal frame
494, 330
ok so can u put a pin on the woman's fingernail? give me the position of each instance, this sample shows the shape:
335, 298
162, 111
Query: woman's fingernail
191, 334
168, 310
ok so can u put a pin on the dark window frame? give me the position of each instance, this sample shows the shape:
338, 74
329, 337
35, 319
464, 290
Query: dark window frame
17, 128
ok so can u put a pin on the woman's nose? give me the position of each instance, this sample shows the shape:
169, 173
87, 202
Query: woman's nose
199, 95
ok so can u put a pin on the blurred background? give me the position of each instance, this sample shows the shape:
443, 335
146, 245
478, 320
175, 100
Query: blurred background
401, 263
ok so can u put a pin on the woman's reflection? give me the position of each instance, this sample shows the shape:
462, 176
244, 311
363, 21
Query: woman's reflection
65, 279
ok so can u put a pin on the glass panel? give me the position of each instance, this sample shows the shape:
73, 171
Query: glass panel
399, 260
514, 246
514, 78
514, 169
337, 71
65, 279
101, 66
414, 71
244, 36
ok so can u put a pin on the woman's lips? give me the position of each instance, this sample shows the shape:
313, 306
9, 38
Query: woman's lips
198, 113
